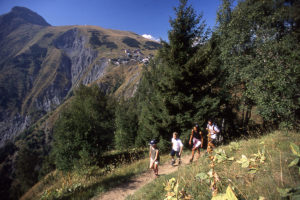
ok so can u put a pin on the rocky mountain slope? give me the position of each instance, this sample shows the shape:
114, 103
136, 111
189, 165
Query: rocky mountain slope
41, 64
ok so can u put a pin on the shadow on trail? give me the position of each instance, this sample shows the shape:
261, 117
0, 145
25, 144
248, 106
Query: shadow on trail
102, 186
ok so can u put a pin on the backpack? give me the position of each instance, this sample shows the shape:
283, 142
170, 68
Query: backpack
219, 135
215, 128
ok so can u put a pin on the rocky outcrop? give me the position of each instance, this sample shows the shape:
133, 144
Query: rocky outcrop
10, 127
53, 95
74, 45
98, 70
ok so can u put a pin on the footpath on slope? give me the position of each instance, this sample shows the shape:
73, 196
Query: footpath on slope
134, 184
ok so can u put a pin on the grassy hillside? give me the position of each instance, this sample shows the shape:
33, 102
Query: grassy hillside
247, 183
88, 182
259, 179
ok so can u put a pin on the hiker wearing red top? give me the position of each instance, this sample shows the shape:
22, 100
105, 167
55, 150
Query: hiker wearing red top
197, 138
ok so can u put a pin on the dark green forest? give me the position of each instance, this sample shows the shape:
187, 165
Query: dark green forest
244, 74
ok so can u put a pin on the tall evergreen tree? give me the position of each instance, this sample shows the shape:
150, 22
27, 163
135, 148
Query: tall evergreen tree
126, 122
176, 91
85, 128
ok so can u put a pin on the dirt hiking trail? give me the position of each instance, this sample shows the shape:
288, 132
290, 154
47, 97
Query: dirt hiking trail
135, 183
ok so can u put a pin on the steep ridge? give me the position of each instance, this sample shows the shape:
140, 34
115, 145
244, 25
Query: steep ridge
41, 64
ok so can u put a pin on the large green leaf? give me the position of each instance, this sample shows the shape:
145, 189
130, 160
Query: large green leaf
295, 149
294, 162
244, 161
219, 197
230, 194
231, 159
245, 164
252, 171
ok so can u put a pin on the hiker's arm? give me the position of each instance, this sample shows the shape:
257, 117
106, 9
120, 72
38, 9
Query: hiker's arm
214, 132
201, 135
156, 156
190, 142
181, 147
217, 131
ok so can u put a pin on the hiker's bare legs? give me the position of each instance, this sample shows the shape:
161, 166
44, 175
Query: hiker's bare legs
198, 150
193, 153
155, 169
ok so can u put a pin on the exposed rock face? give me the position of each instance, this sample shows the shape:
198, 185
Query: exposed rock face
10, 127
53, 95
74, 64
96, 72
73, 44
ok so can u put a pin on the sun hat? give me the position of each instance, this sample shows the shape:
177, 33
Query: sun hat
152, 142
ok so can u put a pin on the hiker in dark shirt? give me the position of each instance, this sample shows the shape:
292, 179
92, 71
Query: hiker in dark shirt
197, 138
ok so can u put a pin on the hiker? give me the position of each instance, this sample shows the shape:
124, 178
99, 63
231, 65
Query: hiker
177, 147
197, 137
154, 157
213, 130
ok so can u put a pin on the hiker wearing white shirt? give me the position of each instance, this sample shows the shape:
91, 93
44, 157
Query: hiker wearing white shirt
213, 130
177, 147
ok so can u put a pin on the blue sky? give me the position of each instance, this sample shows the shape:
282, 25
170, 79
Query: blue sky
140, 16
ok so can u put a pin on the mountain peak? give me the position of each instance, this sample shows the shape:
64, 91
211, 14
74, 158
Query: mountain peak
23, 15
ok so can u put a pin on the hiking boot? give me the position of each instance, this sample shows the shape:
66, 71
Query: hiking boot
179, 162
191, 160
173, 162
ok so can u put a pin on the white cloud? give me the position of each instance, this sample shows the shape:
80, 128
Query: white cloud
150, 37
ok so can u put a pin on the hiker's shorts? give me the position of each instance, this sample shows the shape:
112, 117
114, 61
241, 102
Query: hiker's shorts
173, 153
213, 136
152, 163
196, 143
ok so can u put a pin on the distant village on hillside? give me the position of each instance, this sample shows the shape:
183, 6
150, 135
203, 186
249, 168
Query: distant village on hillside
131, 56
